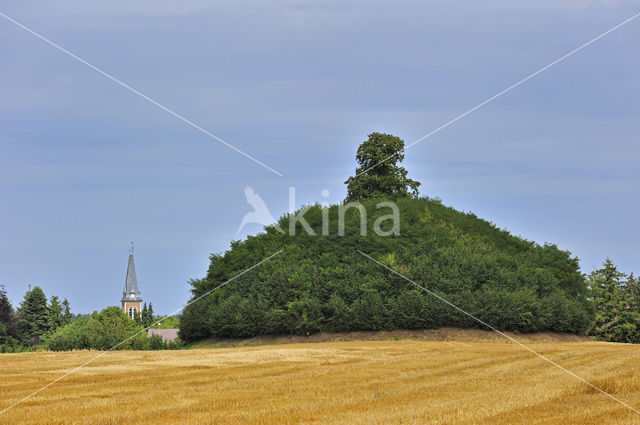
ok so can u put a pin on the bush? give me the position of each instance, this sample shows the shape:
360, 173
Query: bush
109, 328
411, 312
156, 343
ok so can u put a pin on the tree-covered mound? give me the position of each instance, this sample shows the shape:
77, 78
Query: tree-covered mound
322, 283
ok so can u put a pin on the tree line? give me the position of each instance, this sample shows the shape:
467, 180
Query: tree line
613, 315
41, 323
106, 329
34, 320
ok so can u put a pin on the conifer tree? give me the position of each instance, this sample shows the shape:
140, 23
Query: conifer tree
33, 316
608, 296
632, 289
150, 312
136, 317
55, 313
67, 317
7, 315
147, 315
143, 315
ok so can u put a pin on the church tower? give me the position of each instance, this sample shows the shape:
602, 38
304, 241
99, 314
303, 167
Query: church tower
131, 301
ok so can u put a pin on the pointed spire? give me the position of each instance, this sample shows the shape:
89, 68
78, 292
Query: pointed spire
131, 291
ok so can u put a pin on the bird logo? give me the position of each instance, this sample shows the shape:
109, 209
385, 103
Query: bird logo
260, 213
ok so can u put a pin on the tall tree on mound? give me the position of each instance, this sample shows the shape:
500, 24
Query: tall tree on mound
378, 174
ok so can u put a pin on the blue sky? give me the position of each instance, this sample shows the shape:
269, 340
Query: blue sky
86, 166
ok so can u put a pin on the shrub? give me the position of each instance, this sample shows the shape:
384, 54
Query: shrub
109, 328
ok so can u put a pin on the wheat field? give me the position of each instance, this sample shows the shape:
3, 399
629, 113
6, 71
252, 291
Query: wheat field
358, 382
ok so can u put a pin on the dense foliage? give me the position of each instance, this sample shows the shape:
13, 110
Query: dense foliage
378, 174
617, 304
9, 335
34, 316
99, 331
322, 283
41, 325
33, 321
169, 322
145, 317
109, 328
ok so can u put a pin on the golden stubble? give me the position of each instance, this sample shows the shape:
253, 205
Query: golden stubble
356, 382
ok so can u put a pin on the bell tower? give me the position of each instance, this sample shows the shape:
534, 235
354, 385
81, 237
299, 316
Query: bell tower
131, 300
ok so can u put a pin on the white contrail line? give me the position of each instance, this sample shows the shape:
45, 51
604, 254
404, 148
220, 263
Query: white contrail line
480, 105
109, 76
136, 334
510, 338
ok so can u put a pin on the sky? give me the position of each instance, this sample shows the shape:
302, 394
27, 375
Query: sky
86, 166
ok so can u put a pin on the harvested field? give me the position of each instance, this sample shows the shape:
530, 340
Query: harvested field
360, 382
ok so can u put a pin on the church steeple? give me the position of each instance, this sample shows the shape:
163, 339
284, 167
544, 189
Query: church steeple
131, 299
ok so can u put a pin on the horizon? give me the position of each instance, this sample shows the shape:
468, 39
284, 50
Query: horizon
88, 167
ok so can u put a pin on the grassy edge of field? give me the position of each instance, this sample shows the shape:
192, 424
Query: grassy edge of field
442, 334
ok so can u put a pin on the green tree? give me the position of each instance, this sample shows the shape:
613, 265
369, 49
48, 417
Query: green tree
33, 316
632, 290
370, 312
143, 315
150, 317
77, 335
379, 174
167, 322
7, 315
237, 316
67, 317
146, 317
55, 313
109, 328
4, 337
409, 310
607, 287
628, 326
112, 326
156, 343
195, 320
336, 313
137, 317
